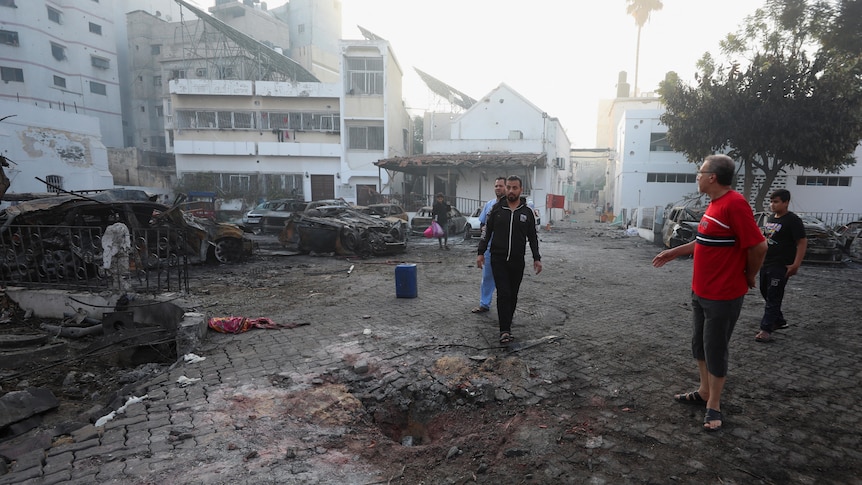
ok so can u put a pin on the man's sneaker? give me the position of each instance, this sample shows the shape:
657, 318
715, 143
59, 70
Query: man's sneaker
780, 325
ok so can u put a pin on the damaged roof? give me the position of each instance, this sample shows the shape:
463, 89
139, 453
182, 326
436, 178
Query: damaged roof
419, 164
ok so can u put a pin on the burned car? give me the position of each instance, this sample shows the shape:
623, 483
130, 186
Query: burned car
823, 244
343, 231
680, 225
849, 239
60, 237
384, 210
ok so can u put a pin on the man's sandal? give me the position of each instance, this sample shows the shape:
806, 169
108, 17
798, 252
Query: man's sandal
480, 309
711, 415
689, 398
506, 338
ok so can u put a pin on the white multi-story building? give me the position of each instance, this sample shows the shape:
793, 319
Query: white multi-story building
189, 44
61, 55
647, 173
309, 140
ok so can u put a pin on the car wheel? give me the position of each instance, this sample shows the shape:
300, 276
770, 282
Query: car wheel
225, 251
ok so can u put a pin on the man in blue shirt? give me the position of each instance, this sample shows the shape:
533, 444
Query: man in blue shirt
487, 288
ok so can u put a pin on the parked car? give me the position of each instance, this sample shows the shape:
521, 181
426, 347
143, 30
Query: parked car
823, 243
273, 219
422, 220
473, 228
680, 225
251, 219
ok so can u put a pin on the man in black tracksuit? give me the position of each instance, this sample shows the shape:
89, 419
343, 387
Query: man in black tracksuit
512, 224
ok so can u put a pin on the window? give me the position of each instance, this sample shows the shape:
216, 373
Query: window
11, 74
823, 181
238, 184
8, 3
365, 137
157, 80
143, 109
301, 28
365, 75
658, 143
156, 49
673, 178
100, 62
95, 28
178, 74
53, 15
60, 82
58, 51
54, 183
201, 72
160, 111
9, 37
300, 121
98, 88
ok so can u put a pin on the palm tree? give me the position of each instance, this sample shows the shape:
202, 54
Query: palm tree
640, 10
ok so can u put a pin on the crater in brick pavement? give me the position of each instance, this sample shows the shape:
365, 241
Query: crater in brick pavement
412, 426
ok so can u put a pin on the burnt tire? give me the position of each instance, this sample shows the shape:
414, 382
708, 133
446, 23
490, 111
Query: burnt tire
225, 251
349, 239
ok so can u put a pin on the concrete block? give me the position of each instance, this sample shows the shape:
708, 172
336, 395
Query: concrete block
191, 332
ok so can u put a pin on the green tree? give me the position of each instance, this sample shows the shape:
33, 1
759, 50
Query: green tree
795, 103
641, 10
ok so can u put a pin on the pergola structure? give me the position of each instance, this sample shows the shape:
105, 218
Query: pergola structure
420, 170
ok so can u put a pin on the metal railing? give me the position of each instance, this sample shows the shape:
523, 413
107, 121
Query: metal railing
70, 257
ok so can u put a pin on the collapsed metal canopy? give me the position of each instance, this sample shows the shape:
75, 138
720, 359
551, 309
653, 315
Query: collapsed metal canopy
280, 62
446, 91
419, 164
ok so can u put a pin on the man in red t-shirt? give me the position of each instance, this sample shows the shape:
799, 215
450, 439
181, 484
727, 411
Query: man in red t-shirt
728, 252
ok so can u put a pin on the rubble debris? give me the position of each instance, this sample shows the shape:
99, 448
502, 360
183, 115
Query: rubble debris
16, 406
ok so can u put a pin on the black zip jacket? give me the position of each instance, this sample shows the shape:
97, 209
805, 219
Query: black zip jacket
511, 230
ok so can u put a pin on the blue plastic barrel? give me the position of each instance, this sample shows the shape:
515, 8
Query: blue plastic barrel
405, 281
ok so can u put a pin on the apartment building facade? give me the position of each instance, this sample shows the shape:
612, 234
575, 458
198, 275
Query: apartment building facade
61, 55
308, 140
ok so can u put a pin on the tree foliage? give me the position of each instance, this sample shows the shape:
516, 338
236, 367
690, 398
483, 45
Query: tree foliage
789, 96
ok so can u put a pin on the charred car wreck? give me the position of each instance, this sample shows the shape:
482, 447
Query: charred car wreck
343, 231
60, 238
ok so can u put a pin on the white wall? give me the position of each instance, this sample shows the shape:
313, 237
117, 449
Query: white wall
635, 160
40, 142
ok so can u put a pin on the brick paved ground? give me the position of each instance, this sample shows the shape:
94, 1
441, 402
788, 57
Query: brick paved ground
337, 400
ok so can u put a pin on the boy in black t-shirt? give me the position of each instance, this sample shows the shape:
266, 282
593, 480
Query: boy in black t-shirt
785, 235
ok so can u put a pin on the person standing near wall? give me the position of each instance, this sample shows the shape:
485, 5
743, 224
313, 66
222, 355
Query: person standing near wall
510, 225
728, 252
486, 290
787, 242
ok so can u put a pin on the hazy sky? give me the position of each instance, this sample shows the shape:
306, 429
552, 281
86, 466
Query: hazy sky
562, 55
